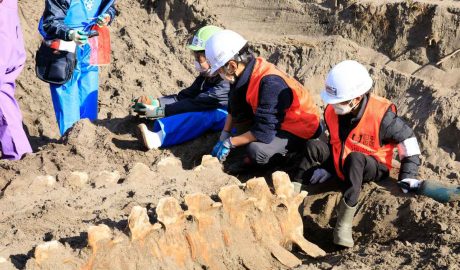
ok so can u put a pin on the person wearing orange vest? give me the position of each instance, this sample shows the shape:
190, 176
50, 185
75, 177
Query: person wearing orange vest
281, 111
364, 129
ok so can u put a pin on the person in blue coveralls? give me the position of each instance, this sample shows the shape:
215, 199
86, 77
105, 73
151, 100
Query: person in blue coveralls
195, 110
72, 20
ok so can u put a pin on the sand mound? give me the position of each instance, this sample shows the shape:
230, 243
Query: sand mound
98, 172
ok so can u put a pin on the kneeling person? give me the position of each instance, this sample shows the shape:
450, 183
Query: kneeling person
281, 112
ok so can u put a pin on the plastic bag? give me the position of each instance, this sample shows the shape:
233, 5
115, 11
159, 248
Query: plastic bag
100, 47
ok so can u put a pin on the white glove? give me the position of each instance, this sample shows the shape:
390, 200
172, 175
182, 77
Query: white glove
224, 135
409, 184
79, 37
320, 176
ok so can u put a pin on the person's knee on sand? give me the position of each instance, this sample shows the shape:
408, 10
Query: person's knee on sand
258, 154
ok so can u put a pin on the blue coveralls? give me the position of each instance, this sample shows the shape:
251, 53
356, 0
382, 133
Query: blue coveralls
184, 127
194, 111
78, 98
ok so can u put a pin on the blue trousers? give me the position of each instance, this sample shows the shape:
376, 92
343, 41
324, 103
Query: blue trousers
77, 98
184, 127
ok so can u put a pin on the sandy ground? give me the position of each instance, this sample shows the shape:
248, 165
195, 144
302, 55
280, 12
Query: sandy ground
99, 171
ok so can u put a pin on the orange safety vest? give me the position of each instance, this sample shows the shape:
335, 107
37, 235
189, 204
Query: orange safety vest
302, 117
364, 138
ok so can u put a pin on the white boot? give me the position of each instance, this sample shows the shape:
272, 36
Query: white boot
151, 139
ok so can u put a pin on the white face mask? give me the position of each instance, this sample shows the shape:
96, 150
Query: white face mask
341, 109
200, 69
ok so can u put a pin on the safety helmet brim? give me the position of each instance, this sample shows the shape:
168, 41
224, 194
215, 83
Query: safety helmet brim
214, 69
195, 48
345, 81
331, 99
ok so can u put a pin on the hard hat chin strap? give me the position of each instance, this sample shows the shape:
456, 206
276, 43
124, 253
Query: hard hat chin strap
243, 56
353, 107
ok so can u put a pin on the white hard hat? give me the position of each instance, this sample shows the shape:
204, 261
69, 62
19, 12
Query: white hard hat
346, 81
222, 47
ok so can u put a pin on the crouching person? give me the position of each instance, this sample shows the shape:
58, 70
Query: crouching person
364, 129
199, 108
281, 112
